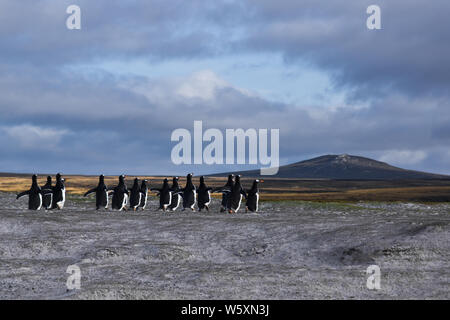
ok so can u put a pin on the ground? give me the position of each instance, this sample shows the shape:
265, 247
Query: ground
290, 250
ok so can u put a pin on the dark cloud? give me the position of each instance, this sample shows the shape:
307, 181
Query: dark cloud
397, 80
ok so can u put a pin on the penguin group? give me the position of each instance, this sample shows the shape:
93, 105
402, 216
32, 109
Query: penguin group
171, 197
50, 197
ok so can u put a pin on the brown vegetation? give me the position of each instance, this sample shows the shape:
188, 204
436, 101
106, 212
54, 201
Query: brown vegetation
282, 189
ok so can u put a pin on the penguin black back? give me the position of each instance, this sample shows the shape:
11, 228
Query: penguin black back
176, 198
189, 193
235, 197
144, 193
101, 193
120, 195
204, 195
253, 198
34, 195
135, 195
165, 195
47, 198
59, 193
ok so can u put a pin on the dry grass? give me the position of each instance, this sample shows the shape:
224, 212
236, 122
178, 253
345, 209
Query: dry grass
280, 189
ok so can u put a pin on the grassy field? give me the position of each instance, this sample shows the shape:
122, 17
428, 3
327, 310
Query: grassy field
281, 189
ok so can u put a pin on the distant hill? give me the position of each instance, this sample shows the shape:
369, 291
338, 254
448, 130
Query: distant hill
343, 166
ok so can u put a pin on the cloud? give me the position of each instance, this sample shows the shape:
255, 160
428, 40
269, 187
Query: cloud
34, 137
395, 80
403, 157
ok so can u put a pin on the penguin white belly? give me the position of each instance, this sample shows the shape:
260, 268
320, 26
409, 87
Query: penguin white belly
145, 201
170, 201
60, 204
195, 199
125, 201
50, 202
239, 204
178, 203
40, 202
139, 201
257, 201
209, 199
107, 200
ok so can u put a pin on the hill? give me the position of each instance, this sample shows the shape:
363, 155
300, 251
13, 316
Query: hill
346, 167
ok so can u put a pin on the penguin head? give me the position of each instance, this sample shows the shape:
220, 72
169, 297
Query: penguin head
122, 178
58, 177
136, 180
49, 179
189, 176
175, 179
237, 179
34, 178
165, 182
202, 179
101, 178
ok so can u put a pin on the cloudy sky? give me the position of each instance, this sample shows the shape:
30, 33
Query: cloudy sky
106, 98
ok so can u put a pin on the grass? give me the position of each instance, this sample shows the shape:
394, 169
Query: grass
330, 191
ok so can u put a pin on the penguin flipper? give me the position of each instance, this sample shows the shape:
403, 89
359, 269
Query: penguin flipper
89, 192
22, 194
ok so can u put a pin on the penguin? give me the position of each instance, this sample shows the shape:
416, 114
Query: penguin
47, 198
204, 195
235, 196
176, 197
225, 190
165, 195
135, 195
189, 194
120, 195
34, 195
101, 193
253, 197
59, 193
144, 193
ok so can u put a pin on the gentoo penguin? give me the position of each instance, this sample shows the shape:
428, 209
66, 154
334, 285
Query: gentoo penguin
189, 194
204, 195
47, 197
120, 195
253, 197
225, 190
135, 195
176, 197
165, 195
59, 193
101, 193
144, 192
34, 195
235, 196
